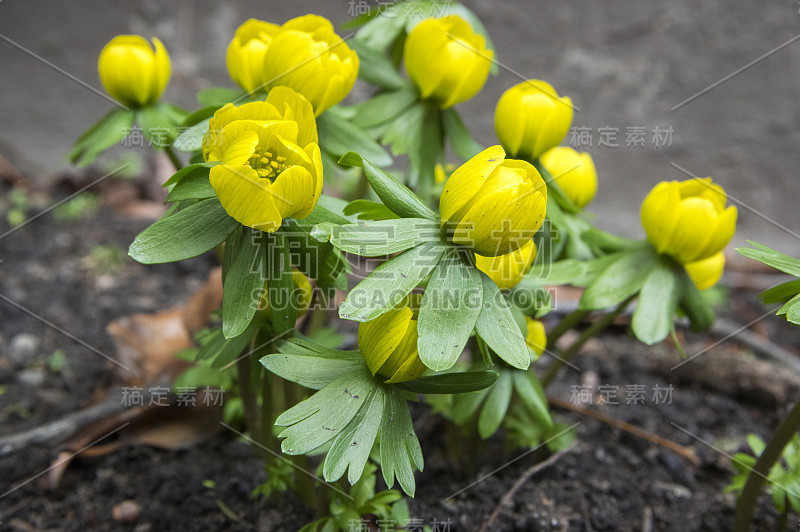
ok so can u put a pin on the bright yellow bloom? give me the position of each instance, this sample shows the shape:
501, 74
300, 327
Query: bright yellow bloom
492, 204
688, 219
300, 297
270, 163
389, 342
573, 172
507, 270
536, 338
132, 71
530, 118
707, 272
304, 54
447, 60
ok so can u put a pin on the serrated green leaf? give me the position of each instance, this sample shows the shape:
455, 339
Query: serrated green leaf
390, 282
653, 317
498, 328
243, 276
404, 134
311, 367
770, 257
496, 404
369, 210
449, 310
399, 447
320, 418
188, 233
780, 293
191, 138
159, 123
106, 132
451, 383
384, 107
338, 136
392, 192
620, 280
192, 170
351, 448
194, 185
375, 67
374, 239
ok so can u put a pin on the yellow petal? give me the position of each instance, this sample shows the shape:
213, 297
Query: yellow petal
378, 338
573, 172
163, 69
507, 270
707, 272
536, 337
722, 232
688, 238
246, 197
404, 363
294, 106
293, 192
464, 183
659, 213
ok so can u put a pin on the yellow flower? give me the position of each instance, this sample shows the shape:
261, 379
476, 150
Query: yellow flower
530, 119
300, 297
507, 270
573, 172
447, 60
305, 54
132, 71
270, 163
389, 342
492, 204
536, 338
707, 272
688, 219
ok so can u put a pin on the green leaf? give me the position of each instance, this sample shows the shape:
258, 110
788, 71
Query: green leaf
381, 31
496, 405
338, 136
352, 446
399, 449
404, 134
220, 350
530, 390
191, 138
280, 282
317, 260
192, 170
450, 383
497, 327
770, 257
369, 210
693, 304
193, 185
780, 293
218, 96
159, 123
243, 276
375, 67
374, 239
608, 242
321, 417
384, 107
188, 233
460, 140
309, 368
428, 151
620, 280
449, 310
392, 192
653, 317
390, 282
467, 404
109, 130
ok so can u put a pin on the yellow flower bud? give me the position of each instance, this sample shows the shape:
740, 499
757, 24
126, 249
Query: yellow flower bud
132, 71
389, 342
305, 54
492, 204
688, 219
530, 118
507, 270
300, 297
573, 172
447, 60
707, 272
270, 163
536, 338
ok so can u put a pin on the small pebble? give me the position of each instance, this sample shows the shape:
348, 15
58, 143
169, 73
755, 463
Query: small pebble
23, 347
34, 377
126, 512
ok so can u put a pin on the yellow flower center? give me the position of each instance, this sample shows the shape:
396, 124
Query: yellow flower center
268, 166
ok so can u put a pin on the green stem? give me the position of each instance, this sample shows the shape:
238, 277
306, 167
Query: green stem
249, 400
570, 320
591, 331
173, 157
755, 480
267, 409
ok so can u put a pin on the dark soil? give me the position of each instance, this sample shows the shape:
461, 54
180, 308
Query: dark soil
609, 481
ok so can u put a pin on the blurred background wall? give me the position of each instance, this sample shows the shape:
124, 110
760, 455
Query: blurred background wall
626, 65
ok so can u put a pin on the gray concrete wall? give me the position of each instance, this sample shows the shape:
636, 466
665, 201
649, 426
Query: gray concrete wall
624, 63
